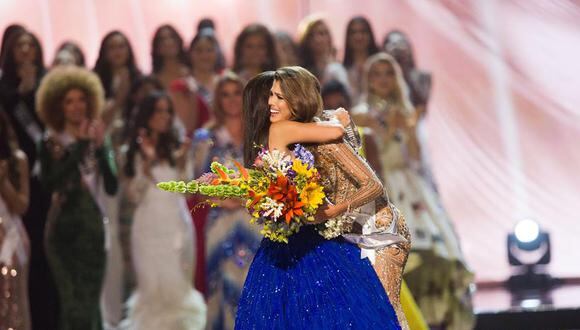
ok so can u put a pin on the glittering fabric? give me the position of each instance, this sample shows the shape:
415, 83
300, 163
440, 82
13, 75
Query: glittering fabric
13, 298
313, 283
390, 262
349, 183
14, 258
340, 181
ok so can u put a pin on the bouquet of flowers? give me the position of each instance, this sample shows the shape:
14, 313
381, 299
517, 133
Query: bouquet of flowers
281, 192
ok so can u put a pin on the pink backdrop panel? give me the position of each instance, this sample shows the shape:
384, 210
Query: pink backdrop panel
503, 124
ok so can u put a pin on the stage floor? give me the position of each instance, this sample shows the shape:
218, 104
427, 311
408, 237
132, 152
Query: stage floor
558, 308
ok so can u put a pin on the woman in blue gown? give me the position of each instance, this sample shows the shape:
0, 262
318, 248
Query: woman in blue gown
311, 282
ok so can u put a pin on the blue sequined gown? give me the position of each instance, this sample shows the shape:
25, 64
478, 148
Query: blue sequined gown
313, 283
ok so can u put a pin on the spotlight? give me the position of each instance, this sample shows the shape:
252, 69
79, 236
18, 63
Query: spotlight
527, 231
528, 245
528, 249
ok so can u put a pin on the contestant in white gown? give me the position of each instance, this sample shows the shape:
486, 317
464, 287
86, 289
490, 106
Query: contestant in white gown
161, 234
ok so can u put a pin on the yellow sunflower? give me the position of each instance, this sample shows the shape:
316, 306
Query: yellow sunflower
301, 168
312, 195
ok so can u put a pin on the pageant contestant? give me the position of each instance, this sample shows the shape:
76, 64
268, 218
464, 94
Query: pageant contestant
385, 225
77, 167
311, 282
437, 276
161, 233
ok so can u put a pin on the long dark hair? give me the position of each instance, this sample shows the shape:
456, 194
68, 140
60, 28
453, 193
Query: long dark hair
256, 29
157, 59
371, 48
256, 117
306, 29
9, 67
8, 32
166, 143
103, 68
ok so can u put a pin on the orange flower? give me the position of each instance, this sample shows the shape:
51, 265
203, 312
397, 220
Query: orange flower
243, 170
283, 191
279, 189
255, 197
292, 207
223, 175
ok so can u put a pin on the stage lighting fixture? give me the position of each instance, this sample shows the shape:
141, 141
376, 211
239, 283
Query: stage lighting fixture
529, 249
528, 245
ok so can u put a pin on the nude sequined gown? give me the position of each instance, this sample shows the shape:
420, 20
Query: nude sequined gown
344, 174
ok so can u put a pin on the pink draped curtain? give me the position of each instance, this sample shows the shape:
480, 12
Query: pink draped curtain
504, 122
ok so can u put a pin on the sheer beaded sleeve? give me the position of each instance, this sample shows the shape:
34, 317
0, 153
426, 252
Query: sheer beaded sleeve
369, 187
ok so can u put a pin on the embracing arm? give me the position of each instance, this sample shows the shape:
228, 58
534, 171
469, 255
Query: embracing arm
369, 186
288, 132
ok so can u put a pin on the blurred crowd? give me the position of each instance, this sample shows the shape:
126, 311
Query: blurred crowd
86, 239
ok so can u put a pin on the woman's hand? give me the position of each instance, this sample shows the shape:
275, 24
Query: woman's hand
96, 132
343, 116
339, 115
325, 211
83, 132
92, 130
402, 121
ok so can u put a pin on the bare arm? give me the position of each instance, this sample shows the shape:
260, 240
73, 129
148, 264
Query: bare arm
288, 132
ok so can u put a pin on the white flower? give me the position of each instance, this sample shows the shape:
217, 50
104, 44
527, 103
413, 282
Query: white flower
277, 161
271, 207
336, 226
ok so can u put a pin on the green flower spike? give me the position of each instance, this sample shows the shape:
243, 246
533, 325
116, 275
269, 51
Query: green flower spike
177, 186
